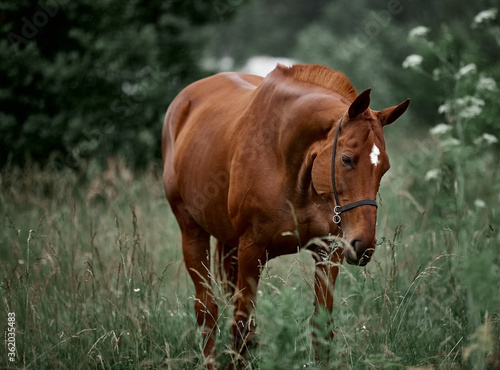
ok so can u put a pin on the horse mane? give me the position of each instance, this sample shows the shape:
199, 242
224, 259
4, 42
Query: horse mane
321, 76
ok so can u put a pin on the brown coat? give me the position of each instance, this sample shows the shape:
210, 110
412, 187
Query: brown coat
247, 160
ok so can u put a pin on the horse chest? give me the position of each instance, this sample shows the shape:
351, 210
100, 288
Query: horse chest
282, 224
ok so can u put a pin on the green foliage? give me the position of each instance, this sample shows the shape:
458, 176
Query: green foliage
462, 149
262, 28
94, 79
367, 41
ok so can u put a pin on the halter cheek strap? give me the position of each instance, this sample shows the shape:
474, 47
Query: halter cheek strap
338, 208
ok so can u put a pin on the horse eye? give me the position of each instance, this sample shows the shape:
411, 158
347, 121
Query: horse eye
347, 161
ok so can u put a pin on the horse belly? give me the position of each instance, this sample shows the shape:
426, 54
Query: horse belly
205, 198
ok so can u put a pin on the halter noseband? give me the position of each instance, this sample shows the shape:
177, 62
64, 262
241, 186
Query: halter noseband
338, 208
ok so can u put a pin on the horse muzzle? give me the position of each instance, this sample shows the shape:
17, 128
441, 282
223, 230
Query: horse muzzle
358, 252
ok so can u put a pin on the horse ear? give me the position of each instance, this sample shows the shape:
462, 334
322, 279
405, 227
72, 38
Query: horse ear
360, 104
389, 115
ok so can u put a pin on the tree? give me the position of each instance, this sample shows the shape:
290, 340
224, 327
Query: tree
89, 79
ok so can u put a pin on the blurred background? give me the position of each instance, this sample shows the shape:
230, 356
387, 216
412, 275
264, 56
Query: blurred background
91, 262
86, 80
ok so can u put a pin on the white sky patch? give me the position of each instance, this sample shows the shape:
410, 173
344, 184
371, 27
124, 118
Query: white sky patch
262, 65
374, 155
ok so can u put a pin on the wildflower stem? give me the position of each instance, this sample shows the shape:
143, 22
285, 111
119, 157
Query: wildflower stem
459, 159
30, 235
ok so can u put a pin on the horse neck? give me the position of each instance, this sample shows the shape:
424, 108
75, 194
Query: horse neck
300, 119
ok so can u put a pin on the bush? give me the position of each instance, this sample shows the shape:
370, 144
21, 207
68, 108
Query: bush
89, 80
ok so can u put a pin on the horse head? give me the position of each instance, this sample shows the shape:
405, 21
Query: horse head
348, 174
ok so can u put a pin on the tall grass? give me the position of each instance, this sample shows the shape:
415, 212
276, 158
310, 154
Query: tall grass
93, 271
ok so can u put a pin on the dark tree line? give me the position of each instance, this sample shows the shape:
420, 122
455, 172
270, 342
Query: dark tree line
84, 79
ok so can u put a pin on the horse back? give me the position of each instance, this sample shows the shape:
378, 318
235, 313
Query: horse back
211, 97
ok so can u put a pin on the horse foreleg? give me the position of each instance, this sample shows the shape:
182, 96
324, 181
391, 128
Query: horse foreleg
250, 260
327, 263
226, 267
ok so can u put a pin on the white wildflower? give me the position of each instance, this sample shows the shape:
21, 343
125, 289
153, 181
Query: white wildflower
432, 174
465, 70
412, 61
486, 84
450, 142
488, 139
436, 74
469, 106
471, 111
479, 203
418, 32
444, 108
440, 129
137, 290
485, 15
466, 107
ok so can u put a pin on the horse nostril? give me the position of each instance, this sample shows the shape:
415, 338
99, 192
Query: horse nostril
363, 254
355, 244
368, 254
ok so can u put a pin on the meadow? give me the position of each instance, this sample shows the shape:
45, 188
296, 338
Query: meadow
91, 266
91, 269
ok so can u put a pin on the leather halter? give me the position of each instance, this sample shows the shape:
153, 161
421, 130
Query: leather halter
338, 208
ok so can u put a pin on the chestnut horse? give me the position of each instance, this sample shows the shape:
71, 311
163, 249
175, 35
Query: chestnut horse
263, 165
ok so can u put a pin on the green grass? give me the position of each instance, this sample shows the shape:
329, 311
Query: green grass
96, 280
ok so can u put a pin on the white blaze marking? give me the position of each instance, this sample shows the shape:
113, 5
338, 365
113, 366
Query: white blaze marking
374, 155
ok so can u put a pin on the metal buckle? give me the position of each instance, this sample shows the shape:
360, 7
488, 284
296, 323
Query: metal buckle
336, 218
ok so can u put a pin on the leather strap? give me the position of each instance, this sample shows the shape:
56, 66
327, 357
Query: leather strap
338, 208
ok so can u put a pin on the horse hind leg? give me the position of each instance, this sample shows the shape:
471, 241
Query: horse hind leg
226, 267
196, 252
